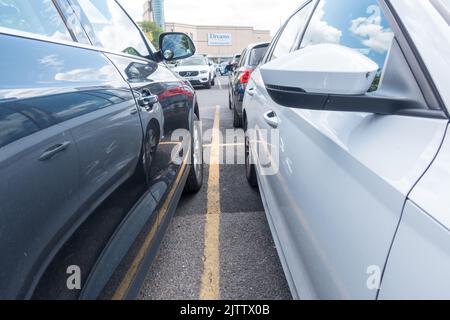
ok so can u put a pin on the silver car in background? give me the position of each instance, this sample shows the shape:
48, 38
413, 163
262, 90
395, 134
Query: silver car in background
346, 135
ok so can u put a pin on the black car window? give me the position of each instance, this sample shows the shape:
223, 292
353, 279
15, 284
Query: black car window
357, 24
256, 55
14, 126
37, 16
292, 31
112, 27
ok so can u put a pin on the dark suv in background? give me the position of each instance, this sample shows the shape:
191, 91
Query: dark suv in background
240, 75
89, 172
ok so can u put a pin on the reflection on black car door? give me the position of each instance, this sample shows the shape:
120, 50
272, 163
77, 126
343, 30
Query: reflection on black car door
165, 105
44, 99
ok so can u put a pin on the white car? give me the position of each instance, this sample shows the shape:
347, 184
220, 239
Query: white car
197, 71
346, 135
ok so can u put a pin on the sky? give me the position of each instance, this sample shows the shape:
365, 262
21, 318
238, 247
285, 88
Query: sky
362, 27
260, 14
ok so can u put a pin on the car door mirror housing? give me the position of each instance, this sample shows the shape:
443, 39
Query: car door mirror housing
175, 46
330, 77
323, 68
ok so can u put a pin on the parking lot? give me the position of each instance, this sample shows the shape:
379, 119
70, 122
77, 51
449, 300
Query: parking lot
221, 251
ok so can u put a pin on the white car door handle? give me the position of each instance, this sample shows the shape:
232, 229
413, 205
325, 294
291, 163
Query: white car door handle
272, 119
251, 91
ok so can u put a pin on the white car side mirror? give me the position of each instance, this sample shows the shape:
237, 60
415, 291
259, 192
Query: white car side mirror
333, 78
323, 69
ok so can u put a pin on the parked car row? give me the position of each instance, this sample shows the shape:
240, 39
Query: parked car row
239, 77
87, 173
346, 123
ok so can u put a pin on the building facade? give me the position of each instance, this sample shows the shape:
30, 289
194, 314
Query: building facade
158, 13
220, 42
148, 14
154, 11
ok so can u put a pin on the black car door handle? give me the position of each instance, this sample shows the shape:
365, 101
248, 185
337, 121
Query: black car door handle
51, 152
147, 101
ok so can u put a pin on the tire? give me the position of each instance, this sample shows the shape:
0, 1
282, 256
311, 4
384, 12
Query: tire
213, 83
250, 171
237, 119
195, 179
208, 85
229, 102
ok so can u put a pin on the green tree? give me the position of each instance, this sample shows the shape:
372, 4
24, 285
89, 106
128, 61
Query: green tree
152, 31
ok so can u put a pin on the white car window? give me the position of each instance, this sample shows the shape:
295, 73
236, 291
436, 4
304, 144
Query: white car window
37, 16
113, 28
292, 31
357, 24
194, 61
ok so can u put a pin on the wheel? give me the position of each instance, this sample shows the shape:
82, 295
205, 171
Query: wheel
229, 102
237, 119
195, 179
208, 85
250, 171
213, 83
148, 151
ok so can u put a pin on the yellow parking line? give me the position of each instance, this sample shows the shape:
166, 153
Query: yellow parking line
226, 145
170, 143
210, 289
129, 276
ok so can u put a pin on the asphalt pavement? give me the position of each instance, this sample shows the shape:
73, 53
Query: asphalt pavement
223, 250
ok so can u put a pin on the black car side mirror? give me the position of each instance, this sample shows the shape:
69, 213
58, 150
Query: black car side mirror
175, 46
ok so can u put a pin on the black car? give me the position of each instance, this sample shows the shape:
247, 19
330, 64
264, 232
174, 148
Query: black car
240, 76
91, 163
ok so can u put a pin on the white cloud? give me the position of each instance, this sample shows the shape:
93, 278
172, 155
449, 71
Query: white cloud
376, 37
52, 60
319, 31
261, 14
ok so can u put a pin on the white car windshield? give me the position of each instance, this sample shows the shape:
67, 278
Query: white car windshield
193, 61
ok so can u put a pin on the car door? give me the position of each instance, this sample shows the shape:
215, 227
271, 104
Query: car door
39, 168
109, 135
419, 260
258, 107
165, 102
39, 164
337, 191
